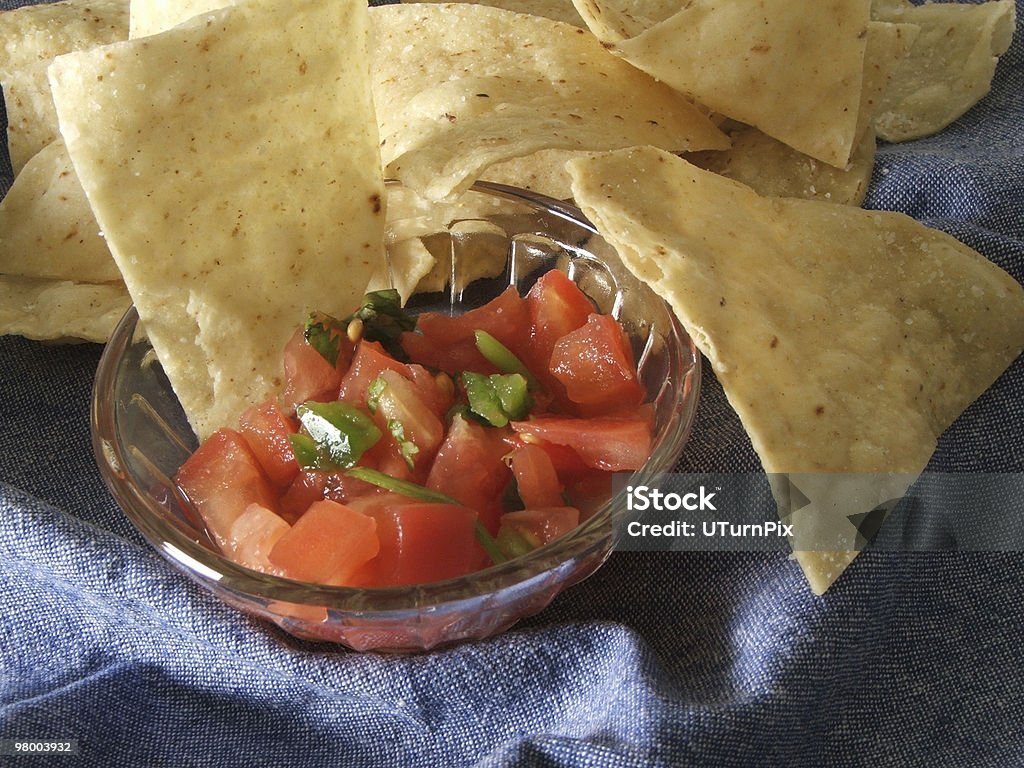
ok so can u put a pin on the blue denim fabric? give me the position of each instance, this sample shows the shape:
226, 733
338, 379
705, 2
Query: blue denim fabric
659, 659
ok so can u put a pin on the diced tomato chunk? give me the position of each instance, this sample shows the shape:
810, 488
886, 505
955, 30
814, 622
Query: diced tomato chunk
589, 492
386, 457
368, 362
312, 485
367, 503
470, 467
326, 545
542, 525
307, 374
569, 466
613, 443
457, 356
556, 306
448, 343
595, 365
221, 479
412, 430
342, 487
254, 534
536, 478
421, 542
266, 429
436, 390
307, 487
585, 487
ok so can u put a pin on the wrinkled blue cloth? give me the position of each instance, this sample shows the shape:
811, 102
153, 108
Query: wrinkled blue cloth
659, 659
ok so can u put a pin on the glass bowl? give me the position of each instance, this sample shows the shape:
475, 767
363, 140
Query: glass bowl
493, 237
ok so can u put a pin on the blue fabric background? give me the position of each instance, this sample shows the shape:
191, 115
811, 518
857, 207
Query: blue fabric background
657, 660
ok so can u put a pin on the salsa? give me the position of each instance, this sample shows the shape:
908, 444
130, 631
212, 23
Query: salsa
405, 450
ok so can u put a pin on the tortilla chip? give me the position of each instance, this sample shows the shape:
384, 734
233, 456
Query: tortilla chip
47, 228
773, 169
468, 251
887, 47
542, 172
493, 85
60, 310
846, 340
559, 10
794, 70
615, 20
148, 17
229, 219
31, 37
422, 236
408, 262
949, 67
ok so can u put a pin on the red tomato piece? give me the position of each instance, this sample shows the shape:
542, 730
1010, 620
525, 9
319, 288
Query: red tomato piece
265, 428
307, 374
421, 542
586, 488
307, 486
254, 534
313, 485
542, 525
458, 356
588, 492
326, 545
370, 502
536, 478
595, 365
448, 342
556, 306
368, 362
470, 467
616, 443
569, 466
436, 390
399, 404
385, 457
221, 479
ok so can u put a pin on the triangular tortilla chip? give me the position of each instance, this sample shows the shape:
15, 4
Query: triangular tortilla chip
846, 340
559, 10
148, 17
228, 218
615, 20
60, 310
47, 228
493, 85
542, 172
794, 70
30, 37
887, 47
773, 168
950, 65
